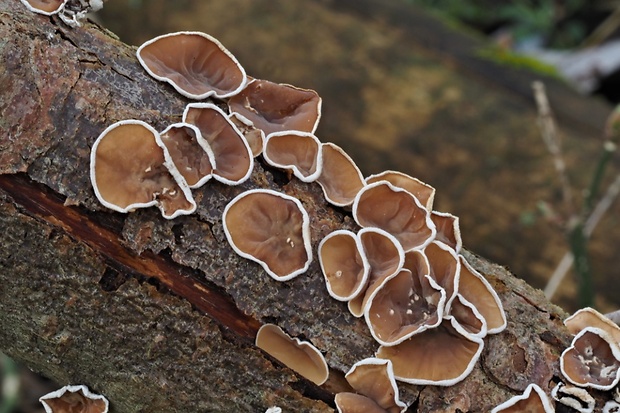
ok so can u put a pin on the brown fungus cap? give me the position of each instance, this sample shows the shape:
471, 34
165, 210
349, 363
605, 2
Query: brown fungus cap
194, 63
252, 135
296, 151
340, 179
385, 257
233, 158
74, 399
533, 400
356, 403
272, 229
448, 230
592, 360
274, 107
344, 265
46, 7
190, 153
404, 306
469, 320
130, 168
299, 356
477, 290
445, 268
439, 356
395, 210
374, 378
589, 317
424, 192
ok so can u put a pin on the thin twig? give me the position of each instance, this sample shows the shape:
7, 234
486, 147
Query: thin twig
613, 191
552, 141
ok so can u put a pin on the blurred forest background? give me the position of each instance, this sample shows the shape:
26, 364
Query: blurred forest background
440, 90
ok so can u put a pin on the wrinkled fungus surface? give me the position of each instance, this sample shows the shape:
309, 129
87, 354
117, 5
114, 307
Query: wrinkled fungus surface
194, 63
272, 229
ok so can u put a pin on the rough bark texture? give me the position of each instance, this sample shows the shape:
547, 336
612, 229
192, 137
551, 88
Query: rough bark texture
160, 315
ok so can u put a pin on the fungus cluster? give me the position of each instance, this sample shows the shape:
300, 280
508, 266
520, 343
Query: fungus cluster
72, 15
401, 271
592, 361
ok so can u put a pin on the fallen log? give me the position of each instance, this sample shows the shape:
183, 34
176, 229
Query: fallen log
161, 315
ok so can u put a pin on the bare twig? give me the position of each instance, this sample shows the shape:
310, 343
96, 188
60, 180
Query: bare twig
552, 141
613, 191
614, 316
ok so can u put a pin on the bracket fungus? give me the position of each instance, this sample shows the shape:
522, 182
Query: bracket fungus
476, 289
274, 107
385, 258
130, 168
297, 151
340, 179
440, 356
189, 152
373, 380
395, 210
592, 360
272, 229
533, 400
252, 135
574, 397
299, 356
45, 7
423, 192
589, 317
74, 399
403, 306
233, 157
194, 63
448, 230
344, 264
445, 268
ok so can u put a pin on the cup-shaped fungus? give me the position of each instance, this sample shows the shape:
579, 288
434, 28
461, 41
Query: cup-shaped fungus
589, 317
395, 210
190, 153
46, 7
404, 306
130, 168
194, 63
299, 356
445, 268
385, 257
470, 321
233, 158
344, 264
439, 356
274, 107
297, 151
272, 229
340, 179
74, 399
252, 135
424, 192
574, 397
448, 230
374, 378
611, 406
592, 360
477, 290
356, 403
535, 401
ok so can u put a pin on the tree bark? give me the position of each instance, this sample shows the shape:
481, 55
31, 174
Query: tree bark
160, 315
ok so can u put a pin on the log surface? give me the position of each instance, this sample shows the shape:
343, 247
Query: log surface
160, 315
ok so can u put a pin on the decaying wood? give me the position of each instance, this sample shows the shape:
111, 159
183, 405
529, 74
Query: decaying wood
161, 315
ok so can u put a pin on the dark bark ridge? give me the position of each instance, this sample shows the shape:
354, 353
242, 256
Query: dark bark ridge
160, 315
